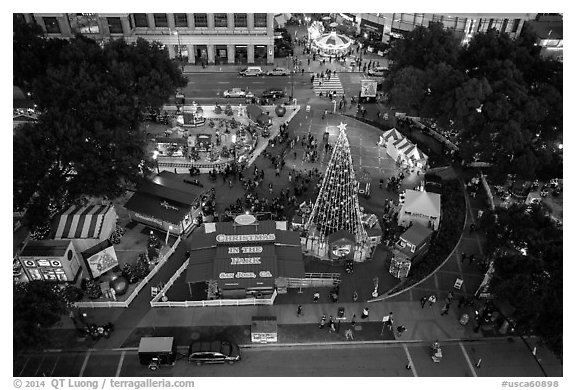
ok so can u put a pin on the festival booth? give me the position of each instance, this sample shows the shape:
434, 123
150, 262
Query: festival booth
166, 202
86, 226
244, 258
192, 116
420, 207
53, 260
411, 246
171, 146
402, 150
332, 44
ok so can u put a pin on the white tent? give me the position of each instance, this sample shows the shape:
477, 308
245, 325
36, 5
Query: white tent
420, 207
402, 150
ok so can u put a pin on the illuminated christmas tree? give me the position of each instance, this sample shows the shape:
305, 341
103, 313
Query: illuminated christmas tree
336, 208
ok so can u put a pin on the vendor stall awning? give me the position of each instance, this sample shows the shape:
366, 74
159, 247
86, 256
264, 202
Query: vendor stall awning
81, 222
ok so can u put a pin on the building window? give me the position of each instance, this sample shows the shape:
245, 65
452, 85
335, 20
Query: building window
516, 25
180, 20
141, 20
160, 20
52, 26
260, 20
115, 25
240, 20
201, 20
220, 20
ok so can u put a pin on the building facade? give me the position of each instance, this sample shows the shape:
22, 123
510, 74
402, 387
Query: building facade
386, 26
197, 38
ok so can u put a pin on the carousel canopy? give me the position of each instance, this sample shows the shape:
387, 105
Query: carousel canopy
333, 41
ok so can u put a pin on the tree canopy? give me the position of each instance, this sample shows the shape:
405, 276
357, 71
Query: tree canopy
87, 141
501, 96
526, 246
37, 305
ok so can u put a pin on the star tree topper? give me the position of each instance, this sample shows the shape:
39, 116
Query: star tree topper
342, 126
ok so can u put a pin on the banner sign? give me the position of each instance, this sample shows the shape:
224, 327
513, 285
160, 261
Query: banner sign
368, 88
102, 261
228, 238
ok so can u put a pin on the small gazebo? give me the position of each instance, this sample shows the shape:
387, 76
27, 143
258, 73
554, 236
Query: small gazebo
332, 44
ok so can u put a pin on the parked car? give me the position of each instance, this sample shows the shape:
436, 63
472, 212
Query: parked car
237, 92
217, 351
278, 72
378, 71
251, 71
273, 92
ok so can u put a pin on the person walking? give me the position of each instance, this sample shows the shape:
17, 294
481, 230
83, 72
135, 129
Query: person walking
432, 299
316, 297
401, 329
390, 321
450, 296
355, 296
322, 321
349, 334
365, 313
423, 301
445, 309
353, 320
299, 311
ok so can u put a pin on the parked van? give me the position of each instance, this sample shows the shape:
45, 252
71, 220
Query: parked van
251, 71
156, 352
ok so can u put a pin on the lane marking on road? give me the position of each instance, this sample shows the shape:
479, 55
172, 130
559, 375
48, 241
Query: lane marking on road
467, 358
55, 364
258, 82
85, 363
223, 82
410, 360
24, 366
39, 365
120, 363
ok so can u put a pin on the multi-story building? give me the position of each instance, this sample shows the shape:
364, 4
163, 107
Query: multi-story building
549, 32
384, 26
209, 38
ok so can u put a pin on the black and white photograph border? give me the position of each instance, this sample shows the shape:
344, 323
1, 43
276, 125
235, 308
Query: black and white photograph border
329, 198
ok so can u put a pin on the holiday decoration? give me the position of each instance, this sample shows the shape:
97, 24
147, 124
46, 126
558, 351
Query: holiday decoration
280, 110
120, 285
336, 209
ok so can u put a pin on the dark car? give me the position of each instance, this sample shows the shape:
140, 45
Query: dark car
218, 351
273, 92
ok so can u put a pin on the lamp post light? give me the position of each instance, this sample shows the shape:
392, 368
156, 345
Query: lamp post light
179, 49
155, 158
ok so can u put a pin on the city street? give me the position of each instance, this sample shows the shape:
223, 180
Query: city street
500, 357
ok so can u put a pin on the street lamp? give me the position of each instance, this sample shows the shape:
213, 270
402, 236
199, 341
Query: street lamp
179, 49
155, 158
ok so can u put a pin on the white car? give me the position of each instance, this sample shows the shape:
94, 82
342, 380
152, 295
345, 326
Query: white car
377, 71
278, 72
237, 92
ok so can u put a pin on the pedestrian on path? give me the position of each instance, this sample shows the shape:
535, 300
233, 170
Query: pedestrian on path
355, 296
401, 329
349, 334
365, 313
390, 321
463, 256
450, 296
316, 296
432, 299
322, 321
353, 320
445, 309
423, 301
299, 311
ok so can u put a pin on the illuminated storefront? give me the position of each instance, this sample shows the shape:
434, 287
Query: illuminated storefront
167, 203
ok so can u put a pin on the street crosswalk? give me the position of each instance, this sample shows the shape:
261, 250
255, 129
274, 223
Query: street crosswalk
326, 86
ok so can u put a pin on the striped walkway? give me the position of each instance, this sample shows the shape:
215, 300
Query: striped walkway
326, 86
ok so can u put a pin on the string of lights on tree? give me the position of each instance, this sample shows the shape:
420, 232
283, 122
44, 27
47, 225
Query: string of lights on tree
337, 206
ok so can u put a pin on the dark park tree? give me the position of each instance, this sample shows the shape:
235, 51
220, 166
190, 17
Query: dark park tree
526, 246
87, 141
37, 305
499, 94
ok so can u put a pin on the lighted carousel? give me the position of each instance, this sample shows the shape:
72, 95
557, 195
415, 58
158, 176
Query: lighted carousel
331, 44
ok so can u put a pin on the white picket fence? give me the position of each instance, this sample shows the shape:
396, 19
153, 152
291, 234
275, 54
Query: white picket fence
141, 285
218, 302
